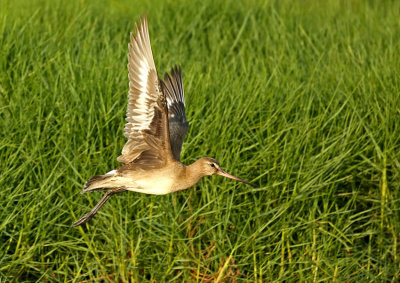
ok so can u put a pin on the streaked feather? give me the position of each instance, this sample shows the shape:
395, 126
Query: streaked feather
172, 86
147, 121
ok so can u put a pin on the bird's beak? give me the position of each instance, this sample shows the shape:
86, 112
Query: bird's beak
226, 174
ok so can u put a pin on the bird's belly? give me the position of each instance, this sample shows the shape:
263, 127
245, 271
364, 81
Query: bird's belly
153, 186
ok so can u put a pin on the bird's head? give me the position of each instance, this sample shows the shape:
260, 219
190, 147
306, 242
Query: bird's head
210, 166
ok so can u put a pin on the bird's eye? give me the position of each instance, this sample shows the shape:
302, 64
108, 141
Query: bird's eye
212, 165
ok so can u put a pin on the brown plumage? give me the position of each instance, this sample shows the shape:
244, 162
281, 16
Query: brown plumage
156, 127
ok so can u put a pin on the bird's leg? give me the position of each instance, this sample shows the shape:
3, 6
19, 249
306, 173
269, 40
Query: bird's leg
103, 200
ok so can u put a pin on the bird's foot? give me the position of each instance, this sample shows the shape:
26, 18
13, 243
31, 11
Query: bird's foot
84, 219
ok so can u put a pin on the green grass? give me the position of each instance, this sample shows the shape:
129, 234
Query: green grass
300, 97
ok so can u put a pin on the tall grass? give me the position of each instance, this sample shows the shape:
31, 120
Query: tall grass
300, 97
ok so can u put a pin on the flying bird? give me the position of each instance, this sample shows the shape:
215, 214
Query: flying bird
155, 129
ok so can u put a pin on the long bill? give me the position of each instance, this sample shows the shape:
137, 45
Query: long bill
226, 174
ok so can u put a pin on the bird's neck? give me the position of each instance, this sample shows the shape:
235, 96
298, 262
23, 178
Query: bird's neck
193, 173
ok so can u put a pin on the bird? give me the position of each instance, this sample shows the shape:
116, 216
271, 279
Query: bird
155, 129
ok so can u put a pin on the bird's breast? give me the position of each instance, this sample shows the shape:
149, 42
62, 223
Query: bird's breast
160, 181
155, 186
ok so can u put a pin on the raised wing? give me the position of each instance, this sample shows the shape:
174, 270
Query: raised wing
147, 131
173, 88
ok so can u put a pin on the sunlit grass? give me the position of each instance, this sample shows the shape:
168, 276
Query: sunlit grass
300, 97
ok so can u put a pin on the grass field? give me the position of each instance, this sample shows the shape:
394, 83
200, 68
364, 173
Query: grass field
300, 97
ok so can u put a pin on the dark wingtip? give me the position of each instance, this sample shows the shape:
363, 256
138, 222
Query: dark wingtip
176, 70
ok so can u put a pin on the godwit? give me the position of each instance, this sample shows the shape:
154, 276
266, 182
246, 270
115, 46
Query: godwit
156, 127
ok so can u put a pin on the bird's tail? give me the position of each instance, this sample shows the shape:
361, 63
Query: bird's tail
100, 182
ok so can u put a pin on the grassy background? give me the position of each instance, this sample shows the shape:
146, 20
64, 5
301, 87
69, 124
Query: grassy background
300, 97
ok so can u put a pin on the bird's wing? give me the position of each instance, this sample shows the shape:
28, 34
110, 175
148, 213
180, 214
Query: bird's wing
147, 130
172, 86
